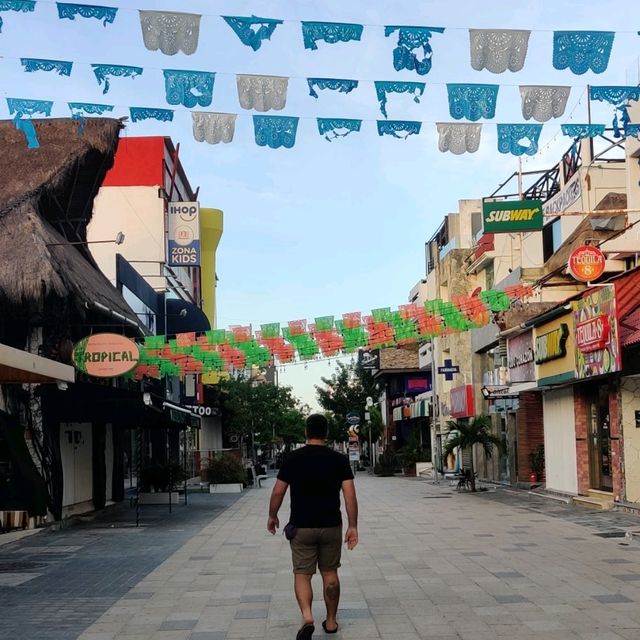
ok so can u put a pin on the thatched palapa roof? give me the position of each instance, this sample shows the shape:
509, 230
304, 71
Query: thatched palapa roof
46, 198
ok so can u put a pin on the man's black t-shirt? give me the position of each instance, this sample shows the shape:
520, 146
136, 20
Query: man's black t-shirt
315, 474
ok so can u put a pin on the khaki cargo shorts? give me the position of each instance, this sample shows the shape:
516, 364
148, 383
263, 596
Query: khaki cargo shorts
321, 548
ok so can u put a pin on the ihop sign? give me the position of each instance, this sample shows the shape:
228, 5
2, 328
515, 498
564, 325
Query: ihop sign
184, 234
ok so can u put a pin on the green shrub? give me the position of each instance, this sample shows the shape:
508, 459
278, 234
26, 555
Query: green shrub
224, 469
157, 477
386, 464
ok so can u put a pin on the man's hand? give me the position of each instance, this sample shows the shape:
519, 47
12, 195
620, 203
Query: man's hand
273, 524
351, 538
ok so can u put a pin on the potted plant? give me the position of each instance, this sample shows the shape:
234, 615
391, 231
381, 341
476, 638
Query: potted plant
386, 464
225, 474
156, 480
412, 454
536, 459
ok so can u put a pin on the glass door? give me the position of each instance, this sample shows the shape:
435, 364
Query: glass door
600, 440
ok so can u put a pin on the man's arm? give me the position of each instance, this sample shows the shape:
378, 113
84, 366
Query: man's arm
351, 505
277, 496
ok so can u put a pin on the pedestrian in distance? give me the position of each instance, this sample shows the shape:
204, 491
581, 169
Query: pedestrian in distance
316, 476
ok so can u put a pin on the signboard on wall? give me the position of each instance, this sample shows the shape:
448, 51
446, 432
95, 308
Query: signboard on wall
183, 234
417, 384
369, 360
508, 216
106, 355
596, 334
552, 345
520, 358
461, 400
565, 198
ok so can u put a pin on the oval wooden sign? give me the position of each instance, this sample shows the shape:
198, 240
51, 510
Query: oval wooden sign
106, 355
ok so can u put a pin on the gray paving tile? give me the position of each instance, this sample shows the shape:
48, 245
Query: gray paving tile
256, 598
510, 599
178, 625
252, 614
614, 598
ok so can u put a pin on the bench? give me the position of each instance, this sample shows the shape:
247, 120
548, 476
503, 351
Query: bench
257, 474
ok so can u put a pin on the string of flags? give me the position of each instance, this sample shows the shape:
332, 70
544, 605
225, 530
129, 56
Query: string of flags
497, 50
277, 131
470, 101
299, 340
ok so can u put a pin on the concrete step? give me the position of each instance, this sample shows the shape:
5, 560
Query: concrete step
595, 502
596, 493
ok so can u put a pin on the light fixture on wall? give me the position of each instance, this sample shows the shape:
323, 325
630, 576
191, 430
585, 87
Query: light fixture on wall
119, 239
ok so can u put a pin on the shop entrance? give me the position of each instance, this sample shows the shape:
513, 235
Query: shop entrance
598, 424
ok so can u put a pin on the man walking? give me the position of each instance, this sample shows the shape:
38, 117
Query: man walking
316, 475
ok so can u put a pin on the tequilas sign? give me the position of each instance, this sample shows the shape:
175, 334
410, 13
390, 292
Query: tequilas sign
512, 215
184, 234
596, 333
593, 334
586, 263
106, 355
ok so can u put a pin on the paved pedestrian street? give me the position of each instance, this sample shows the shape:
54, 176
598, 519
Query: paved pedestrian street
432, 563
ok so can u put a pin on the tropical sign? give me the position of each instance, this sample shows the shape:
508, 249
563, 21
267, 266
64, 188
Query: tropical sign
586, 263
184, 234
596, 333
512, 215
106, 355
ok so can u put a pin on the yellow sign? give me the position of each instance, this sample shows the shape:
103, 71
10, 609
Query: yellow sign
554, 338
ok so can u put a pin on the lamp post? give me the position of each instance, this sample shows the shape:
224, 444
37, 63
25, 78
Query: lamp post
367, 417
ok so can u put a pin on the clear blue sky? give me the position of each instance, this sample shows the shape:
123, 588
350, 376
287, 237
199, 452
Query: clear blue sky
324, 228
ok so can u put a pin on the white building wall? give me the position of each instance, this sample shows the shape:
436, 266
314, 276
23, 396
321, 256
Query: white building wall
630, 396
76, 453
139, 213
560, 441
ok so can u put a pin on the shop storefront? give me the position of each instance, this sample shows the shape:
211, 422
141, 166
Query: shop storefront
597, 357
554, 360
525, 419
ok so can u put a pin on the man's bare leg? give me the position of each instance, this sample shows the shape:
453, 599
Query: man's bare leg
304, 596
331, 590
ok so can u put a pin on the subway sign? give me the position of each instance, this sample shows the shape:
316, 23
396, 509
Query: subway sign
552, 345
508, 216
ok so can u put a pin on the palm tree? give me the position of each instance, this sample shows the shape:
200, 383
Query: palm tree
466, 436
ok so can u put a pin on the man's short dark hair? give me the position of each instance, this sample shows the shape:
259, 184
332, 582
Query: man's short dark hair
317, 427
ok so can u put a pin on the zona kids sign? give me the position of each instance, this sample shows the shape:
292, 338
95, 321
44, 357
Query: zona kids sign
512, 215
106, 355
184, 234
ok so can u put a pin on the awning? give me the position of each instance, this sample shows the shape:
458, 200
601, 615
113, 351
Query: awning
630, 328
124, 408
20, 367
414, 410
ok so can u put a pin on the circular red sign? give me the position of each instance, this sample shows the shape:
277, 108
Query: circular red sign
586, 263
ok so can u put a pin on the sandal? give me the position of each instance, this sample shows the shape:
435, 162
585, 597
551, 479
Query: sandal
305, 632
324, 626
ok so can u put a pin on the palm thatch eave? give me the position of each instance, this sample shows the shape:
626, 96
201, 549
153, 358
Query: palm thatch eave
46, 201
